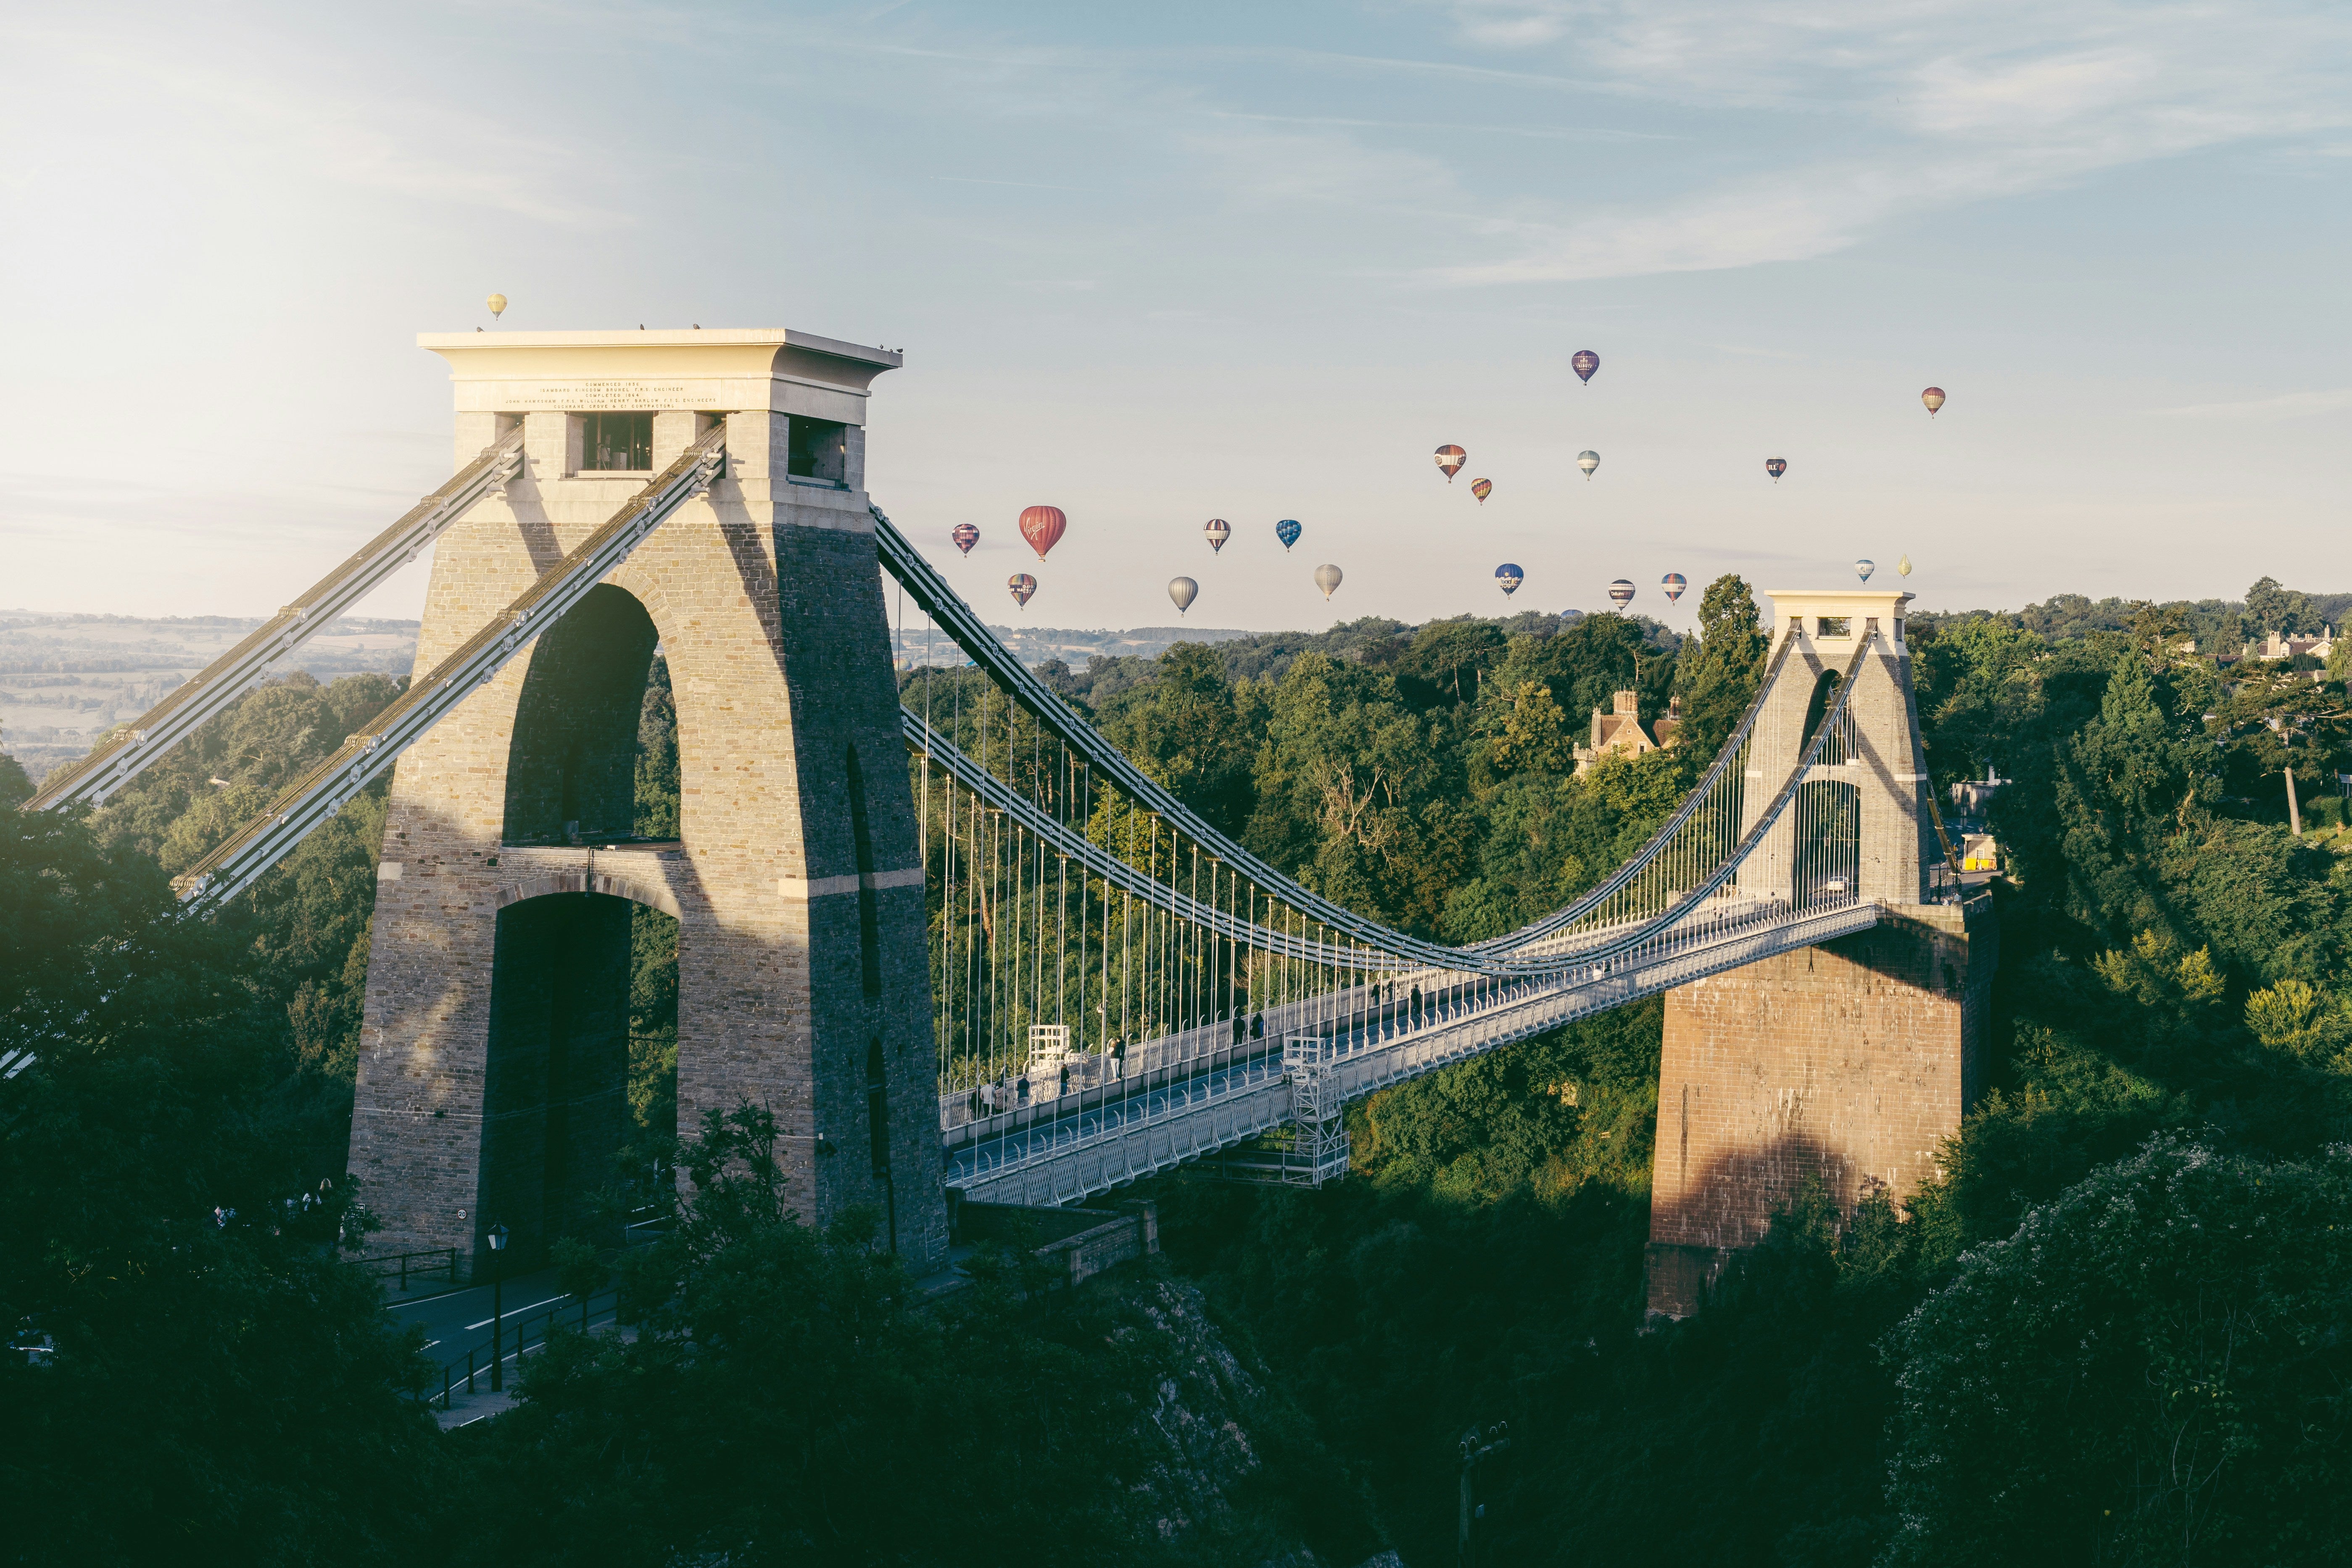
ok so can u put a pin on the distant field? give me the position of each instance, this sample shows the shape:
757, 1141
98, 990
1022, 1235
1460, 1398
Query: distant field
1034, 645
64, 680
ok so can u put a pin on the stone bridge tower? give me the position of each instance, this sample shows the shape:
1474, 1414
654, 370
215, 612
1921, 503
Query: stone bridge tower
1847, 1063
513, 881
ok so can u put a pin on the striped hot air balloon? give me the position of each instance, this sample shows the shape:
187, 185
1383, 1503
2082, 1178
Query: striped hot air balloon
1216, 532
1481, 489
1507, 577
1023, 585
1934, 398
1621, 591
1588, 461
1287, 531
1673, 582
1776, 467
1584, 364
1041, 526
1451, 460
965, 536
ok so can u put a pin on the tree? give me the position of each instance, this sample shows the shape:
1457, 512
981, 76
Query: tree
2145, 1372
2271, 608
220, 1387
1717, 679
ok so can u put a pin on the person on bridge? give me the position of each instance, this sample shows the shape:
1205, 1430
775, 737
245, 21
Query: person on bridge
1237, 1029
1024, 1089
975, 1104
1257, 1027
1118, 1055
1415, 1010
1065, 1077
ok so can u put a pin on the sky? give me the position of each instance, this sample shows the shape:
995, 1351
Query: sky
1160, 264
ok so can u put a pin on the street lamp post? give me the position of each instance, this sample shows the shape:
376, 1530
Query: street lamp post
498, 1239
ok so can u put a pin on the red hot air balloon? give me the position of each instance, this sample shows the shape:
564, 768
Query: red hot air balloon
1934, 398
1041, 526
1023, 586
1623, 592
1673, 582
965, 537
1216, 532
1585, 362
1776, 467
1481, 489
1451, 460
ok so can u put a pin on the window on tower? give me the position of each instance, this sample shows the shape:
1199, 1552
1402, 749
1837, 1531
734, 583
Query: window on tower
616, 443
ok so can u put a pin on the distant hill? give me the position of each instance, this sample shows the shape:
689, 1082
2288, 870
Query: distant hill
64, 680
1035, 645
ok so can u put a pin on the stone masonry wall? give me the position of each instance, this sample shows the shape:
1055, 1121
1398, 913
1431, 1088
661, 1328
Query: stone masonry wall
1850, 1062
769, 608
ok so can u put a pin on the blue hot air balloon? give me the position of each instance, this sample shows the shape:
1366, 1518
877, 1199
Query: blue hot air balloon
1507, 577
1287, 531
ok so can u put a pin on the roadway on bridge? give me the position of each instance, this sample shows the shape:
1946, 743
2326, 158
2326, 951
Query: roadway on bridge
996, 1152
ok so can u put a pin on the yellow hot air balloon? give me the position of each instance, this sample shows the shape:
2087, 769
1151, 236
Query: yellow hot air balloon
1904, 565
498, 304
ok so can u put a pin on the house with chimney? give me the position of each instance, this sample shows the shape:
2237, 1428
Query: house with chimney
1618, 731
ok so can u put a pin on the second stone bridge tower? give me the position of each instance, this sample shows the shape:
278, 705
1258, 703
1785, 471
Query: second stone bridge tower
515, 879
1847, 1063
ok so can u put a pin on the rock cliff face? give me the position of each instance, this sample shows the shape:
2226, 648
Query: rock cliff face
1234, 1472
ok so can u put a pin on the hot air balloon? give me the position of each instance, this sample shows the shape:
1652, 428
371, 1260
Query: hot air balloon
1327, 577
1934, 398
1183, 590
1023, 586
1287, 531
1623, 592
1481, 489
1863, 569
1217, 532
1508, 577
498, 304
1904, 565
1041, 526
1673, 582
1451, 460
1584, 364
1588, 461
965, 536
1776, 467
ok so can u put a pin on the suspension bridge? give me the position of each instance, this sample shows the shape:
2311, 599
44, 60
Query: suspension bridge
1016, 968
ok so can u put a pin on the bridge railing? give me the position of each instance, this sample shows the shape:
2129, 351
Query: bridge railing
1795, 866
521, 1333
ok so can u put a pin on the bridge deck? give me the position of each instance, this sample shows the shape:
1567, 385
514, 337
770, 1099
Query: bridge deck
1073, 1146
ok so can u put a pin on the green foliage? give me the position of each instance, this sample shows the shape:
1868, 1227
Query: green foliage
221, 1388
15, 785
1718, 680
791, 1397
2150, 1370
657, 785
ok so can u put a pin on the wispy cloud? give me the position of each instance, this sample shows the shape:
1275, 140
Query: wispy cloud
1541, 133
1961, 102
315, 118
2286, 406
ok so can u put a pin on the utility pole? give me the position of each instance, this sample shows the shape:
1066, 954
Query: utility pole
1476, 1449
